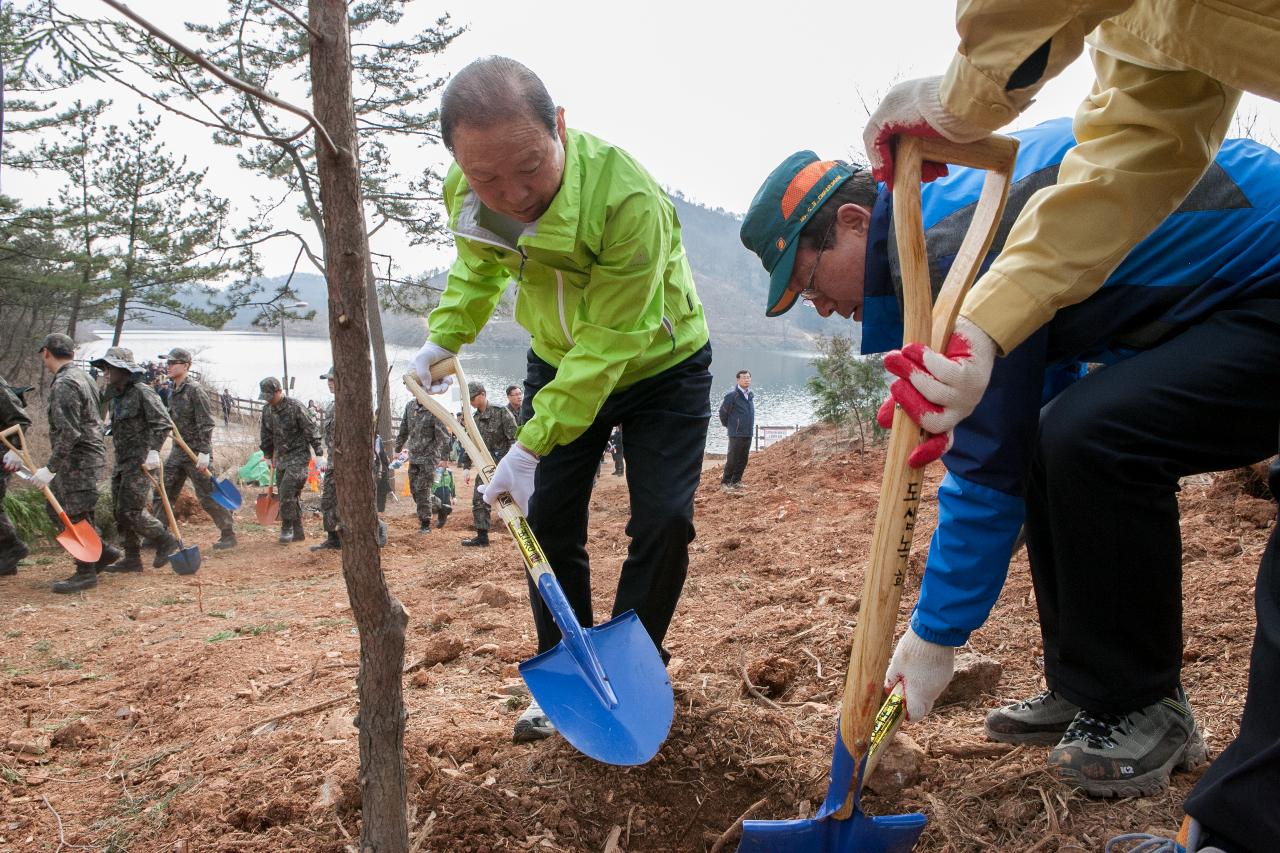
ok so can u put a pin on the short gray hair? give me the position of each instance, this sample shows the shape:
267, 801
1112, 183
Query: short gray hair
492, 90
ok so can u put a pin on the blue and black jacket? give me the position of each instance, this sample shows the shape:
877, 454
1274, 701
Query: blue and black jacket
1222, 245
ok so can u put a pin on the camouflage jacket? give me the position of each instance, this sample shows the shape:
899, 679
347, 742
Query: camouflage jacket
75, 428
498, 429
192, 412
12, 412
330, 409
516, 412
424, 435
288, 430
139, 423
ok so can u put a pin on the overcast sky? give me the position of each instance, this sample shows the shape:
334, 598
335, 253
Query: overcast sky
709, 96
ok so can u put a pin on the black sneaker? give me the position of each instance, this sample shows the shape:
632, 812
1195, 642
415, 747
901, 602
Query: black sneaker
86, 577
165, 548
1040, 720
110, 554
132, 562
227, 541
532, 725
1129, 755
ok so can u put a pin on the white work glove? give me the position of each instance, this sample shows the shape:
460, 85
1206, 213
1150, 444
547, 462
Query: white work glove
202, 462
427, 356
513, 475
43, 477
938, 391
912, 108
12, 461
924, 668
321, 464
153, 460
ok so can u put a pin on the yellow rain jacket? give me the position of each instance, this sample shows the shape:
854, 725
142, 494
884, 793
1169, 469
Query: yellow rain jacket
1169, 76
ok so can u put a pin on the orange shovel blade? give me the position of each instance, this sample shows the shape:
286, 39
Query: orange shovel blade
80, 540
268, 509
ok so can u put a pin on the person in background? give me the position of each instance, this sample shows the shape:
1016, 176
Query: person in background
288, 436
227, 403
192, 414
615, 450
426, 440
515, 403
444, 491
329, 515
738, 415
498, 429
13, 413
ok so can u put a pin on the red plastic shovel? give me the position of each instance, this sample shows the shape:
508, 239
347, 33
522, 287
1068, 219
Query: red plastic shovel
840, 824
79, 538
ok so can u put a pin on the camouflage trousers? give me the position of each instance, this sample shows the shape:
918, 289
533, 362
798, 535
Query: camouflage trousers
479, 510
422, 479
329, 504
291, 476
179, 468
9, 540
131, 495
77, 491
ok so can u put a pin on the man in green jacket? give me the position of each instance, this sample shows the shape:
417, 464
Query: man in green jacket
618, 334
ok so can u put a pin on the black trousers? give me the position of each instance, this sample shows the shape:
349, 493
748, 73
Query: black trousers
665, 421
1236, 798
736, 462
1102, 512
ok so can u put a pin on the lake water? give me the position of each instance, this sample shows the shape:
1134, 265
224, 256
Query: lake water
238, 360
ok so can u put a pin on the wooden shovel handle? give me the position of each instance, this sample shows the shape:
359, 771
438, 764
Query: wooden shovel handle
177, 438
900, 489
158, 483
21, 450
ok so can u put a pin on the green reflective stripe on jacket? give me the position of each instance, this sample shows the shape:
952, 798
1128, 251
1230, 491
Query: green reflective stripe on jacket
605, 289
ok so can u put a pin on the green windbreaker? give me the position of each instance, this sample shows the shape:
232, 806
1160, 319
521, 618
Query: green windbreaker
604, 286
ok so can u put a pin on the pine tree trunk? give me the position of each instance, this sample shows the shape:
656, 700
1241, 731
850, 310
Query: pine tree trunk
379, 616
380, 366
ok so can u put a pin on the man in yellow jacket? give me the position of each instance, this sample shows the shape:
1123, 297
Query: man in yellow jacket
592, 244
1168, 79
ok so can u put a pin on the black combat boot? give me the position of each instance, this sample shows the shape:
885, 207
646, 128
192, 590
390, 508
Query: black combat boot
481, 539
331, 543
286, 532
166, 547
132, 562
110, 554
424, 526
86, 577
298, 534
228, 540
9, 563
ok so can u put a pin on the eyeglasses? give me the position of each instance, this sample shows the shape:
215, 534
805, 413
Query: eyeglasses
810, 293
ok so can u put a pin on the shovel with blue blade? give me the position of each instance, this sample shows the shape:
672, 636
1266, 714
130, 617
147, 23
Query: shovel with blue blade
224, 494
605, 688
840, 826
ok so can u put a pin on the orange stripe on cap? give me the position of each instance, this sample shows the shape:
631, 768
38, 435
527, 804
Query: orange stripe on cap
802, 183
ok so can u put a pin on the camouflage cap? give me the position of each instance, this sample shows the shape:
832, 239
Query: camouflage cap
474, 388
120, 357
176, 354
268, 387
332, 374
59, 344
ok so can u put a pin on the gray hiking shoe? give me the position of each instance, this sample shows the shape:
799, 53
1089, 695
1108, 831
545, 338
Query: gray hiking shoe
532, 725
1040, 720
1129, 755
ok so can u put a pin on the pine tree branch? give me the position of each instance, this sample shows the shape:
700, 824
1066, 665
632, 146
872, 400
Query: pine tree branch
314, 34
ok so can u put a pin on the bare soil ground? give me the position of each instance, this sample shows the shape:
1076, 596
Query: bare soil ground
155, 714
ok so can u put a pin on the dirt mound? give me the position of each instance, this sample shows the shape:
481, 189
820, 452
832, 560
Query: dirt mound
216, 711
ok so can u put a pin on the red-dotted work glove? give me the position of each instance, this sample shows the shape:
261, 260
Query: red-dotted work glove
924, 668
912, 108
938, 391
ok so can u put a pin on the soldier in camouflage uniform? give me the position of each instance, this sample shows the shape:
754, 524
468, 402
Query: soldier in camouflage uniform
428, 442
12, 413
191, 408
77, 453
288, 435
498, 429
329, 492
139, 427
515, 404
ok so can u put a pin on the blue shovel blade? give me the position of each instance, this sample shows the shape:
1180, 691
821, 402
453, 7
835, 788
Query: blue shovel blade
226, 495
625, 723
823, 833
185, 561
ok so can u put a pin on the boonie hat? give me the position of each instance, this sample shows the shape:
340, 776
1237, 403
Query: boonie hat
268, 387
120, 357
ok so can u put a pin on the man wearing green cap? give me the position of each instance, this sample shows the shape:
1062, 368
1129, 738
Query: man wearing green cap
498, 429
77, 453
1187, 324
13, 413
191, 408
139, 427
427, 441
288, 436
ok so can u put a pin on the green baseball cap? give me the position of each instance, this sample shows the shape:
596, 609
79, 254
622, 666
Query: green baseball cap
779, 212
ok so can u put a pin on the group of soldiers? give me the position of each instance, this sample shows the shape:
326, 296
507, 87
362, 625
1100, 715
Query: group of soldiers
138, 424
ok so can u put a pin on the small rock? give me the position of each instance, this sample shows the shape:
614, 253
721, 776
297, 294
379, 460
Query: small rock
487, 649
440, 618
511, 670
486, 622
441, 648
899, 766
773, 675
421, 678
975, 675
127, 712
28, 742
516, 689
74, 734
492, 595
